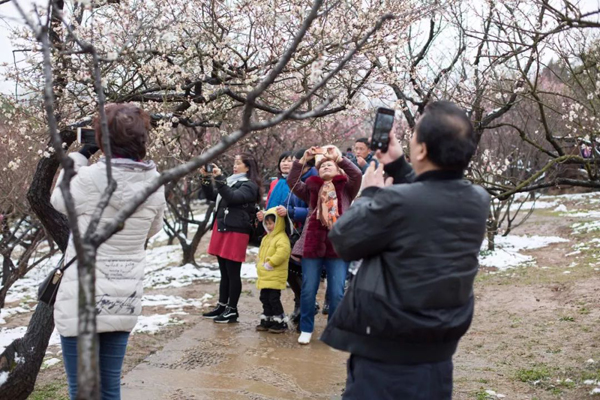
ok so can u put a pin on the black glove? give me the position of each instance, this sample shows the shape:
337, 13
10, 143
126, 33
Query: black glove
88, 150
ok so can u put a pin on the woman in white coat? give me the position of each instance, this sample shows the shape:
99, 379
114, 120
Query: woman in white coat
120, 261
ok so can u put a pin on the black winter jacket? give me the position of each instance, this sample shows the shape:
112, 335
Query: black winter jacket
412, 298
237, 209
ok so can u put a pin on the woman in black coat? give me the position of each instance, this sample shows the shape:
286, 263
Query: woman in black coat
236, 198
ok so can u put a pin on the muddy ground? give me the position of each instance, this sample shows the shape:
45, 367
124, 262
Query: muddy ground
535, 334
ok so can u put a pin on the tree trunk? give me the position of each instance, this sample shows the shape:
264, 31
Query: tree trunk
54, 223
32, 347
23, 358
491, 235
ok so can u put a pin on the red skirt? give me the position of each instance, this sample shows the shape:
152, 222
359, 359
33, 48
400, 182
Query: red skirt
229, 245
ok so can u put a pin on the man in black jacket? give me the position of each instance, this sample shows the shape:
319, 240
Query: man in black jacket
412, 297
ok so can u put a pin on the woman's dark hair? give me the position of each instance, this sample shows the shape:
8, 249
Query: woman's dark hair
300, 153
128, 127
253, 173
282, 156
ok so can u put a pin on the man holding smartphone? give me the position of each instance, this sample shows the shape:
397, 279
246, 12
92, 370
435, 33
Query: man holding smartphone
419, 238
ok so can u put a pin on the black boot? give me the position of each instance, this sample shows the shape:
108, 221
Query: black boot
216, 312
325, 308
279, 324
230, 315
265, 323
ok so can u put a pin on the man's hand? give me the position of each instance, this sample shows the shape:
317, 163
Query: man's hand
374, 177
281, 211
361, 161
393, 153
88, 150
260, 216
216, 171
268, 266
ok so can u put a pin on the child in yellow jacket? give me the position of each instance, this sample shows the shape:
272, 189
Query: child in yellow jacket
272, 268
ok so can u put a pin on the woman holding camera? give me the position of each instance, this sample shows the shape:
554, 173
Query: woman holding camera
120, 261
236, 199
328, 195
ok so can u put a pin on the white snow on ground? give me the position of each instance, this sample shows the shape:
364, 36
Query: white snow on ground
8, 335
172, 301
582, 214
162, 256
538, 205
179, 276
50, 362
9, 312
561, 208
586, 227
507, 253
153, 323
26, 287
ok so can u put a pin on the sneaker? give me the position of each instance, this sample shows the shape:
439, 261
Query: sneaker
317, 308
265, 323
305, 337
325, 309
230, 315
216, 312
279, 325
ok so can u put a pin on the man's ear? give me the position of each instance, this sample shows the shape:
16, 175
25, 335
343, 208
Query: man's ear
421, 151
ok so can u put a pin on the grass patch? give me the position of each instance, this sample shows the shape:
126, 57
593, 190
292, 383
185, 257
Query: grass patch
50, 391
537, 373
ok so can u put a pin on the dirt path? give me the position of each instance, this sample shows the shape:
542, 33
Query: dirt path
213, 361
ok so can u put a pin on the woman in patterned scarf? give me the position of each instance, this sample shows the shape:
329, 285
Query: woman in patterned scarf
328, 196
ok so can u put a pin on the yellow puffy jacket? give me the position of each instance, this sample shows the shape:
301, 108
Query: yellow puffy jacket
274, 249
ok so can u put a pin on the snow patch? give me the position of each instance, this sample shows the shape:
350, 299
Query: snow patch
179, 276
586, 227
153, 323
9, 312
507, 254
171, 301
561, 208
163, 256
50, 362
3, 377
7, 336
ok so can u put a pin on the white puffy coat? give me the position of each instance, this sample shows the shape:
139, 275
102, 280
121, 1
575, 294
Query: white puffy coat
121, 259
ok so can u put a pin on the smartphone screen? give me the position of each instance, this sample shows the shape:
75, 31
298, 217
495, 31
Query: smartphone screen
384, 121
86, 136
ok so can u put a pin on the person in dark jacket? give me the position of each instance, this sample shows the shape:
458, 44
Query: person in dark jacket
236, 198
412, 297
363, 154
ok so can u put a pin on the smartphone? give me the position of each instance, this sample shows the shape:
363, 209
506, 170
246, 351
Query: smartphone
384, 120
86, 136
319, 150
209, 168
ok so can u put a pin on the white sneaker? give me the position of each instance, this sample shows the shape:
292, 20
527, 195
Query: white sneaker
304, 337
